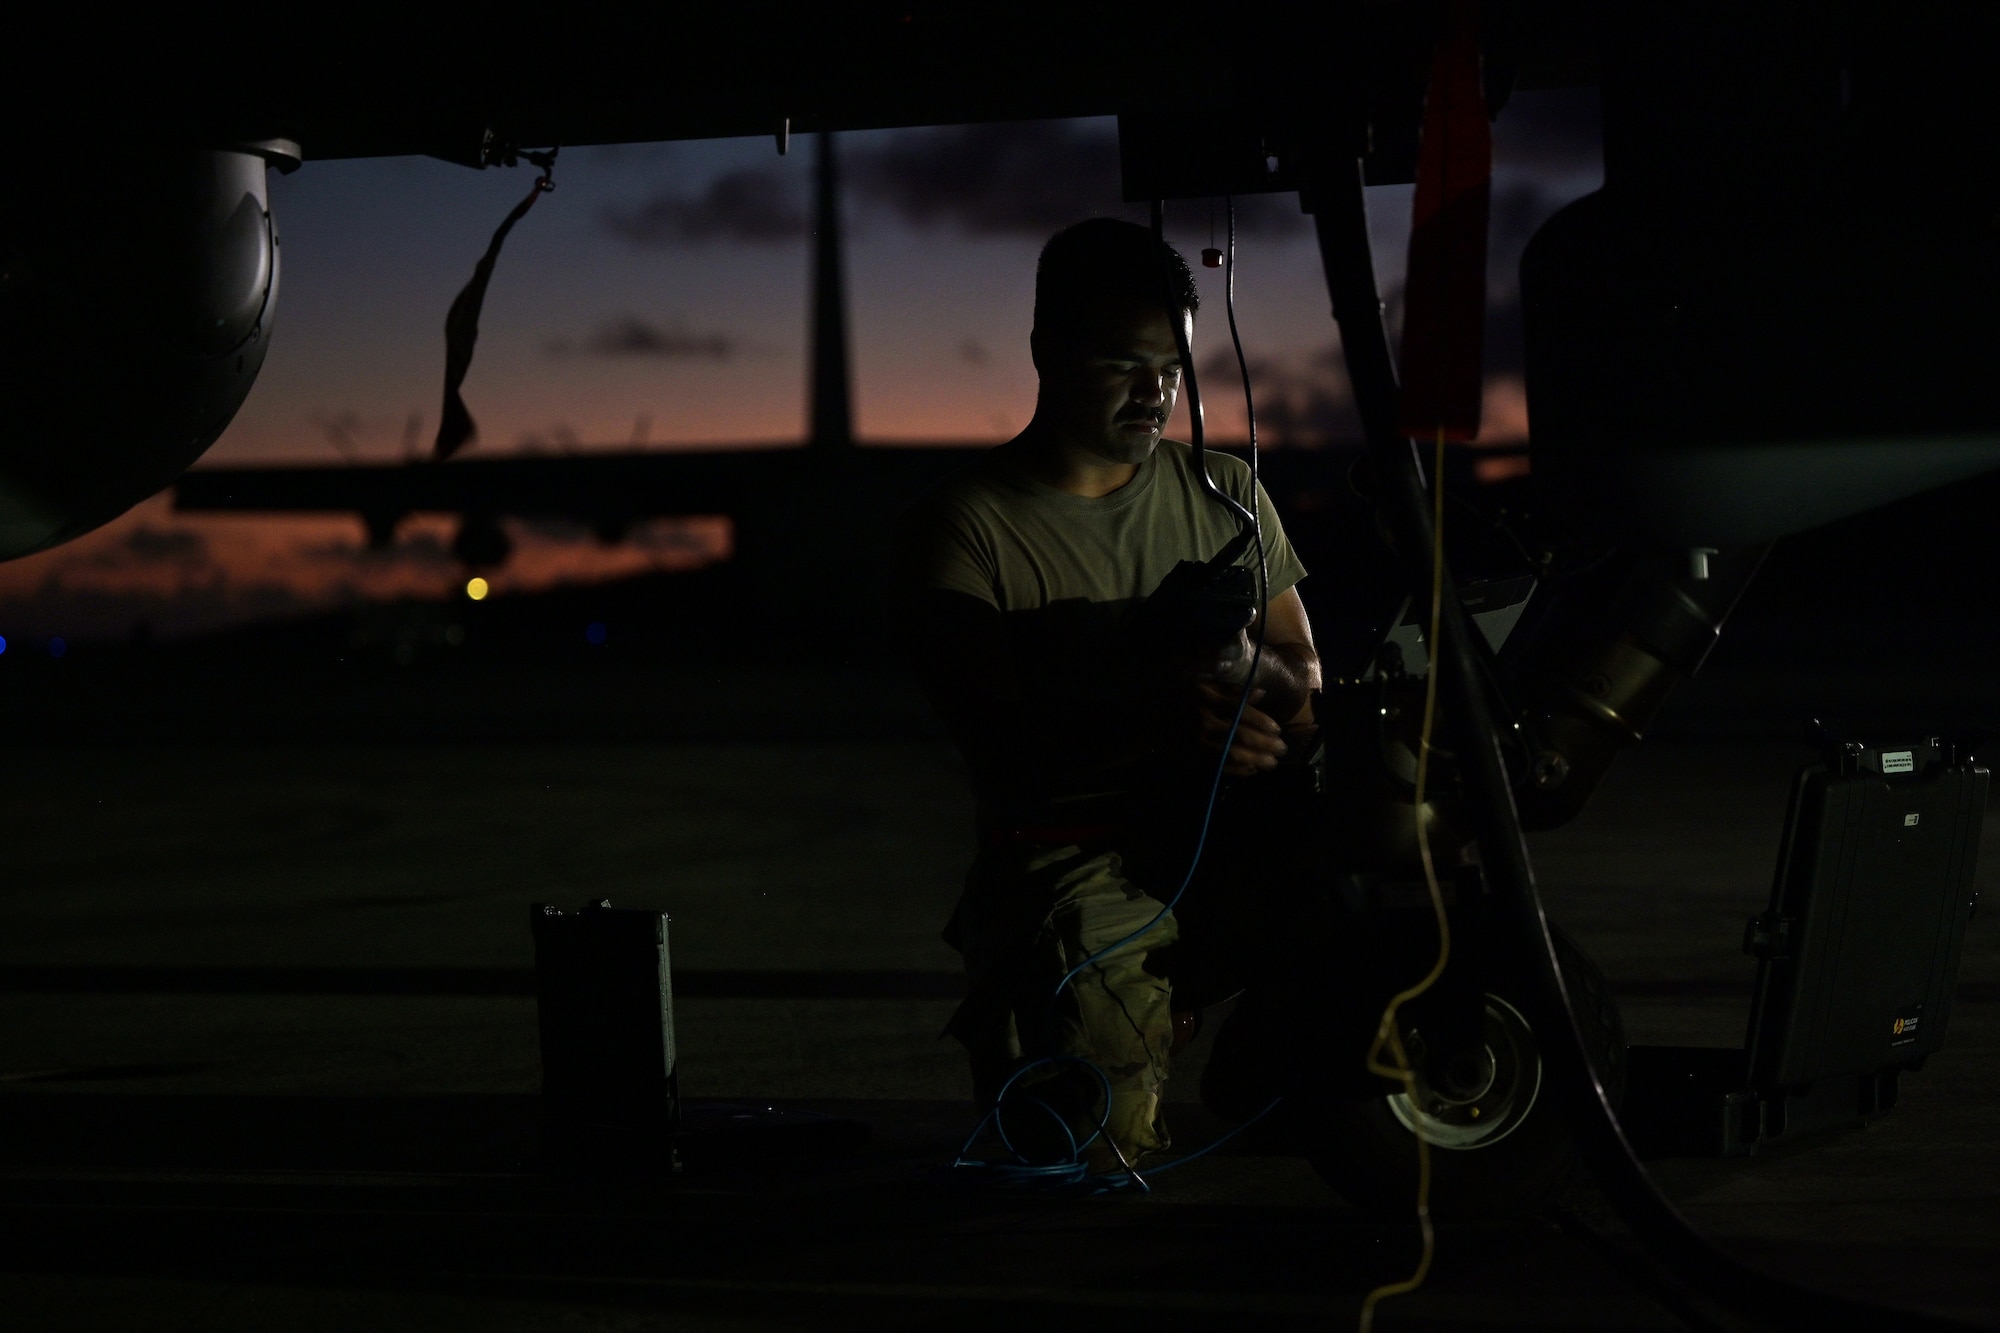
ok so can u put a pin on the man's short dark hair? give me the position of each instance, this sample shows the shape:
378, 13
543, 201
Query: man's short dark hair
1107, 262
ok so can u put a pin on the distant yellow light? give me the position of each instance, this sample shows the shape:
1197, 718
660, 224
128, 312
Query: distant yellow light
476, 588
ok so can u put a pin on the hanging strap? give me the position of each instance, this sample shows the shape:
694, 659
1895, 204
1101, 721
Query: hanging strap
461, 325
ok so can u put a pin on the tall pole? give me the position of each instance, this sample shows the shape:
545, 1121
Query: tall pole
831, 428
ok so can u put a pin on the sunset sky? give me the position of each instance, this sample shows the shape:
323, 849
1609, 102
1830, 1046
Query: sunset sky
659, 297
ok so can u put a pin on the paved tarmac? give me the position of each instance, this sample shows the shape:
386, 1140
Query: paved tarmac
268, 1060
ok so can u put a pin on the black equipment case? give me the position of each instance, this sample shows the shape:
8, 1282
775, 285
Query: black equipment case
1857, 959
604, 995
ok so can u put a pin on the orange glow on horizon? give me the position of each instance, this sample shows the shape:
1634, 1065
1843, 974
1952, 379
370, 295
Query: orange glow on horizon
183, 574
178, 574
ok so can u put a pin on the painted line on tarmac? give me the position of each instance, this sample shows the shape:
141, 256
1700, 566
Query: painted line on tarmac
689, 983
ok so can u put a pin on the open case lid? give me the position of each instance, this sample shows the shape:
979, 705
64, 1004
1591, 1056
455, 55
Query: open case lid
1874, 889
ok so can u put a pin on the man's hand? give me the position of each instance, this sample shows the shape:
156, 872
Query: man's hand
1230, 663
1259, 743
1287, 674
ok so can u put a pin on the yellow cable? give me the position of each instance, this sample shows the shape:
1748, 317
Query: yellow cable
1387, 1036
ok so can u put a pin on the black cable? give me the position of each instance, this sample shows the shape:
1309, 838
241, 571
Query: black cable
1243, 368
1341, 224
1250, 417
1196, 435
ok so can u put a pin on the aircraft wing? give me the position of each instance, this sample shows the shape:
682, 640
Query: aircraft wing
606, 491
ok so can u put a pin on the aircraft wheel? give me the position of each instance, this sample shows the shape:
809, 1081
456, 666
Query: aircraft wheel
1498, 1144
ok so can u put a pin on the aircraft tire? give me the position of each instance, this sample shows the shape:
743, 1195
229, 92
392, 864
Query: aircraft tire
1365, 1148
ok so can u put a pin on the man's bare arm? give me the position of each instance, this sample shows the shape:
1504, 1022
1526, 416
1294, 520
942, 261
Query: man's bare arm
1288, 672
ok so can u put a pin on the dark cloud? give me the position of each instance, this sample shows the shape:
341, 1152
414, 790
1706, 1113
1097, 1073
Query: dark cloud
752, 204
628, 335
1029, 178
1026, 178
1302, 400
973, 352
1305, 400
1503, 351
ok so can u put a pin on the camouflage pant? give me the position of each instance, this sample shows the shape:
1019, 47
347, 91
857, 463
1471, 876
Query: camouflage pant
1027, 916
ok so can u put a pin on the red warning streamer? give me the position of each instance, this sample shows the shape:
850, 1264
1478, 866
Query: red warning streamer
1444, 310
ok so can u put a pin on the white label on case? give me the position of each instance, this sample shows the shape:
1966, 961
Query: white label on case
1899, 761
1910, 820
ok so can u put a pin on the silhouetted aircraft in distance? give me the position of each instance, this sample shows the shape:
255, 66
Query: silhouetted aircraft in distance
611, 491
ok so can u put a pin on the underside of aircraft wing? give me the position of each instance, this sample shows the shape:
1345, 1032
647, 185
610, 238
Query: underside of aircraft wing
605, 491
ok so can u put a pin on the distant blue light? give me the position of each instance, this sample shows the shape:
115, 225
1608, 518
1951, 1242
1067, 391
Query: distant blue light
57, 647
596, 632
3, 644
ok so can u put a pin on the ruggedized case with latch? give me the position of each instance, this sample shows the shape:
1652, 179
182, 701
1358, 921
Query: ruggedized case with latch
1857, 958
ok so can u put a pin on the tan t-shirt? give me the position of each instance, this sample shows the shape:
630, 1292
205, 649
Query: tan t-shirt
1064, 571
